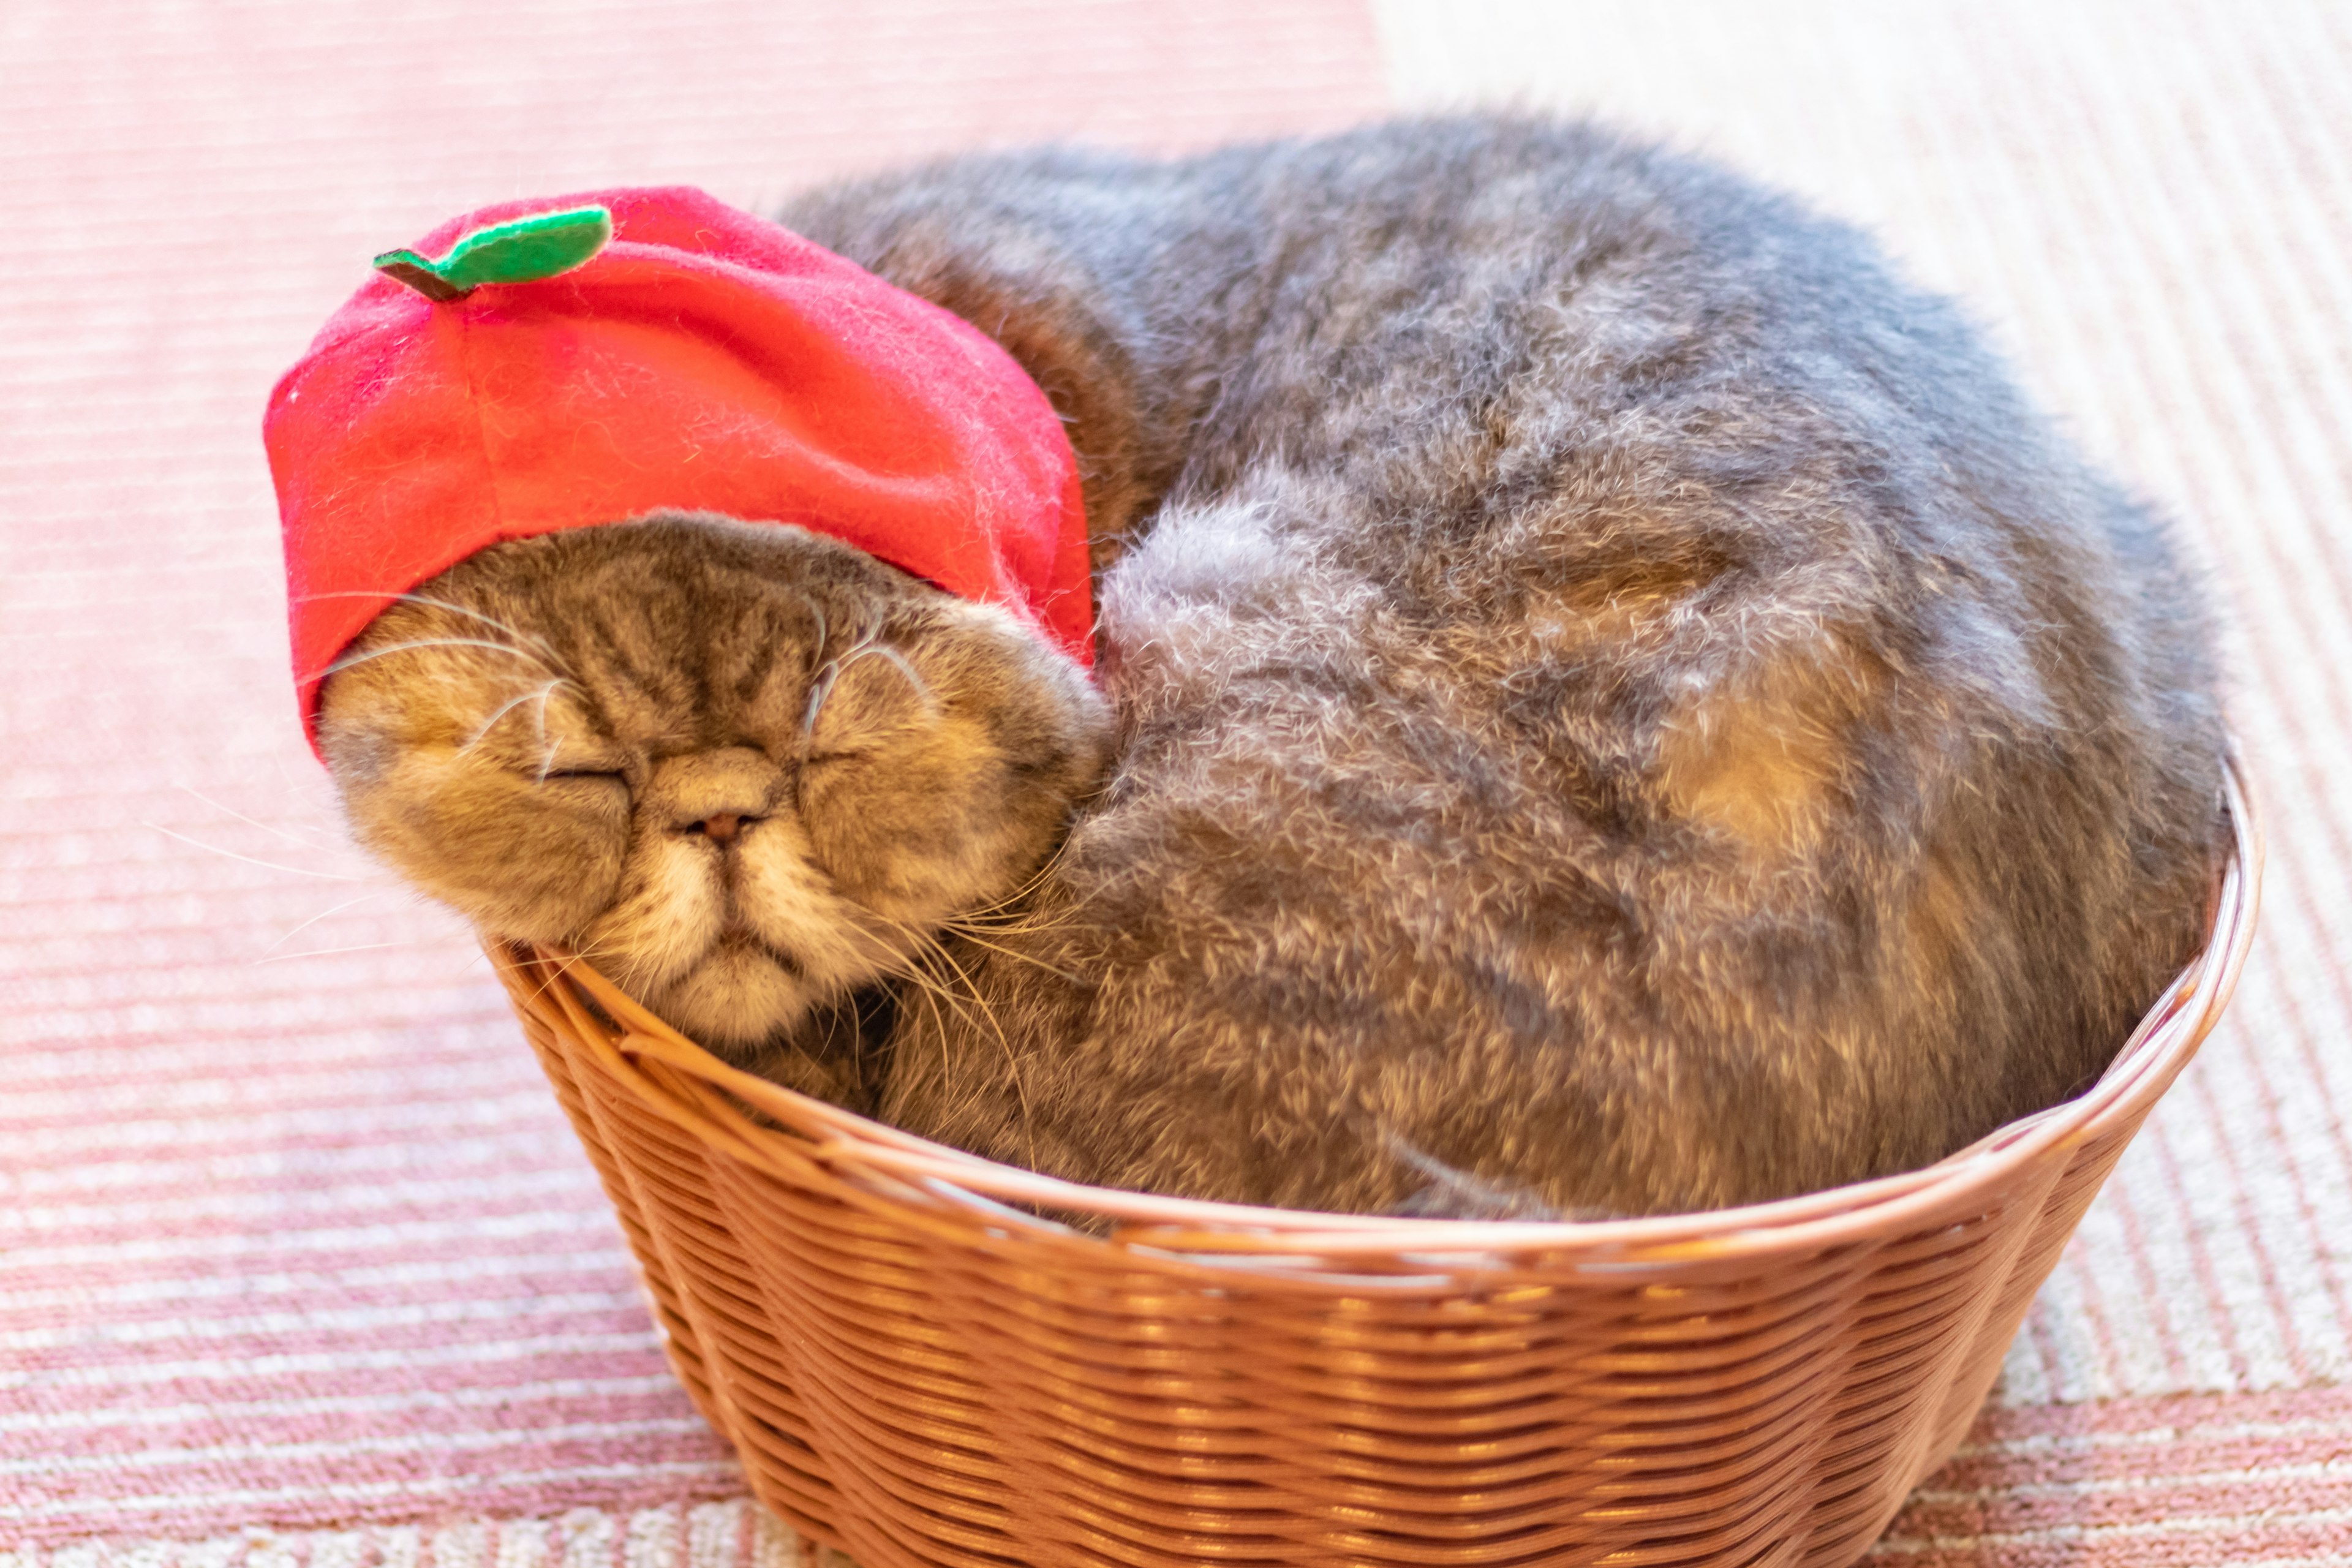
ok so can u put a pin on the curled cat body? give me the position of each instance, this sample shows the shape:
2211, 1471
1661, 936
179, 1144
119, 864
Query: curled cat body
1608, 702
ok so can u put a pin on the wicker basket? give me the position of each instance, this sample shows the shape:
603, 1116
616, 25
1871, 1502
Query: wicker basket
917, 1371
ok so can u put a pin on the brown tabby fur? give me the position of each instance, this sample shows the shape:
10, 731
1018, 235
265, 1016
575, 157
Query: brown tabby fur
1619, 707
744, 828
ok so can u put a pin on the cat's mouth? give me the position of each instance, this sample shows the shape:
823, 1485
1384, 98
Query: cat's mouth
740, 990
745, 981
737, 943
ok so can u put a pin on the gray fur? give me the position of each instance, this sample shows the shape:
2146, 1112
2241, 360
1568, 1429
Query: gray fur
1615, 690
1619, 705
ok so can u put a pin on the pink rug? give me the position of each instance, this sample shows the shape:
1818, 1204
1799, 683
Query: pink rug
298, 1263
291, 1233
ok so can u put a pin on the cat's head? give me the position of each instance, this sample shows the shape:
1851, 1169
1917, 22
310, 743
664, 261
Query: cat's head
747, 769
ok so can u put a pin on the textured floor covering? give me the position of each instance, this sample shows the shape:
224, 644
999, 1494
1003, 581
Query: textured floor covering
291, 1233
298, 1263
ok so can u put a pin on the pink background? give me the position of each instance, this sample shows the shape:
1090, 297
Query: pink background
290, 1231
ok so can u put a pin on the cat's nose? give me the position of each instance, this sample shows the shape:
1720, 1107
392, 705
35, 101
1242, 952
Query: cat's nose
721, 827
716, 795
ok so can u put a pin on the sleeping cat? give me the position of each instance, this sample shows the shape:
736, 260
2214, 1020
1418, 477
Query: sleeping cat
1608, 703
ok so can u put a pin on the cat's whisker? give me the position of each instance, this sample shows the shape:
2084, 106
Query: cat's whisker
266, 865
546, 693
930, 988
625, 969
1029, 885
522, 639
1023, 922
331, 951
868, 645
1016, 956
873, 649
348, 903
997, 919
349, 660
542, 693
250, 822
519, 635
946, 1058
908, 966
1001, 908
931, 945
916, 948
820, 688
933, 995
820, 683
554, 973
816, 614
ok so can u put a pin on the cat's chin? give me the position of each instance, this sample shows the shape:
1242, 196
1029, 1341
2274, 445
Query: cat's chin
741, 995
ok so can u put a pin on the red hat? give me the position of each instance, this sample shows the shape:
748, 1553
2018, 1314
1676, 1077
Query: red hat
594, 359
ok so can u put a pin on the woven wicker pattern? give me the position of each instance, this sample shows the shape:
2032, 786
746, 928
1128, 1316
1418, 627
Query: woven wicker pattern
917, 1363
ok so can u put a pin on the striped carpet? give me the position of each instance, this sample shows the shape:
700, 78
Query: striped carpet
298, 1263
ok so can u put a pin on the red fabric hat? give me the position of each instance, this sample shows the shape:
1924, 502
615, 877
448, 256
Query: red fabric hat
702, 359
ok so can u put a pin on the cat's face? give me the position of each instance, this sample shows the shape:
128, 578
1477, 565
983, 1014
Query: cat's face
745, 768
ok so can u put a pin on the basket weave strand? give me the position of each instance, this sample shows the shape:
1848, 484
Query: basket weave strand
920, 1366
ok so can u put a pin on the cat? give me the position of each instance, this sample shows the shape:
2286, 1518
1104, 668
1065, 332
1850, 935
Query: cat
1608, 703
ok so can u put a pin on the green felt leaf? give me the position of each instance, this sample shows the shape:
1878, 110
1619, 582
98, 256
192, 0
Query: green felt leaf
519, 250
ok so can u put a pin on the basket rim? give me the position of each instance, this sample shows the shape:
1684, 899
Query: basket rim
871, 1155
